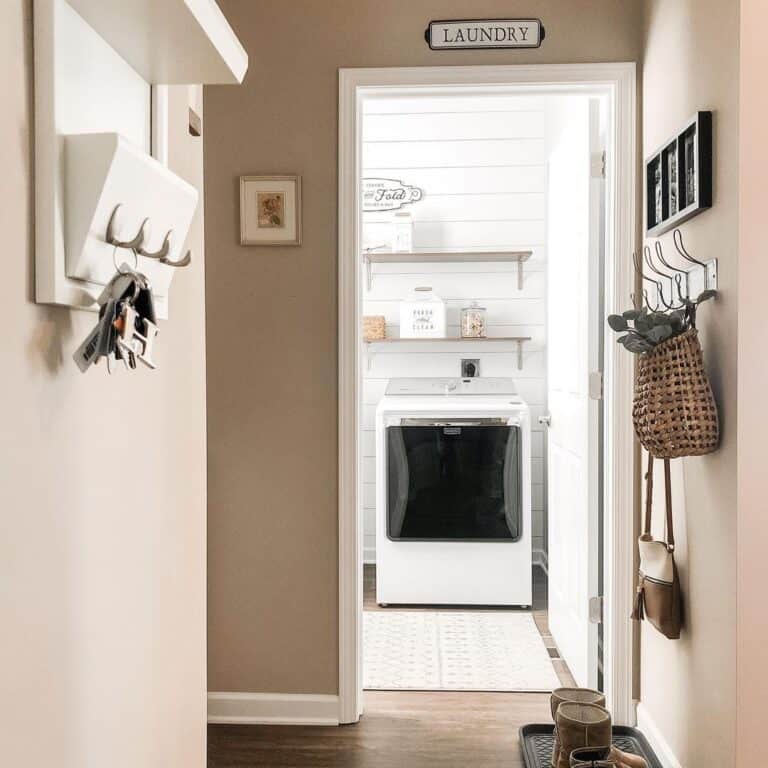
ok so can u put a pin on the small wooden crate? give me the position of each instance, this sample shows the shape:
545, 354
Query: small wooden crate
374, 328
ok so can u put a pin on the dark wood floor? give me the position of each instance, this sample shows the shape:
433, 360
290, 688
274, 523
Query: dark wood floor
400, 729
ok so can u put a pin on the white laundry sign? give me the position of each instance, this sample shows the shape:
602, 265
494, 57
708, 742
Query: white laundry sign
484, 33
388, 194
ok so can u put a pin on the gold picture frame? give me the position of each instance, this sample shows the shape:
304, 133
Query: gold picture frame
270, 210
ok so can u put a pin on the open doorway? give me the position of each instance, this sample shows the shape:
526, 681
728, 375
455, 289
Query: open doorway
486, 209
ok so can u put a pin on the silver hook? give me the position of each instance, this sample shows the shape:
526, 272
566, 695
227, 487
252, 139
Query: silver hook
112, 240
677, 277
185, 261
677, 237
165, 248
659, 286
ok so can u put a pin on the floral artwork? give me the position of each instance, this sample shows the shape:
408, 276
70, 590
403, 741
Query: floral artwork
271, 209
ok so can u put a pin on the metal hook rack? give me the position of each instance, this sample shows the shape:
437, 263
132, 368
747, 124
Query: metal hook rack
687, 283
137, 243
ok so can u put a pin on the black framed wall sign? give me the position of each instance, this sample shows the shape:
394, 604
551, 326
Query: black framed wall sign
678, 177
463, 34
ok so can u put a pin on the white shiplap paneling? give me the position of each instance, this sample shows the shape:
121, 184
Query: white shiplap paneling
481, 162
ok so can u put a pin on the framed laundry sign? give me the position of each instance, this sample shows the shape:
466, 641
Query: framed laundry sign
463, 34
388, 194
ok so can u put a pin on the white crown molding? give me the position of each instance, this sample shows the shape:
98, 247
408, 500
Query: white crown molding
273, 708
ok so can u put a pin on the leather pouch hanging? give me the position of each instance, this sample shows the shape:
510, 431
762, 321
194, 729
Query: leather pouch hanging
658, 585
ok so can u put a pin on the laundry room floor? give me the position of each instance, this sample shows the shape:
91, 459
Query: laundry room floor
538, 611
401, 729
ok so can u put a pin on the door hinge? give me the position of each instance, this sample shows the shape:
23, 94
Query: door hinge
598, 165
596, 385
596, 610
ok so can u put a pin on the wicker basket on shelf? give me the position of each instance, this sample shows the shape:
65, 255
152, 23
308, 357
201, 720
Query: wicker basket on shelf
374, 328
674, 410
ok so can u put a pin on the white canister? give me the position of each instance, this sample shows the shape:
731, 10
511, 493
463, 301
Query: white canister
422, 316
402, 233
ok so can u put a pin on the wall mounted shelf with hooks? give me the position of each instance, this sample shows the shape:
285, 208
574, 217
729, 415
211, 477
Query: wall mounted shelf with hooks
519, 341
387, 257
102, 70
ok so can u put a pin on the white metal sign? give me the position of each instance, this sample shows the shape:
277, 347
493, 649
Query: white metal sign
388, 194
484, 33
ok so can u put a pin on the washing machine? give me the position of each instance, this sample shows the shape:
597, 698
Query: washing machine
453, 493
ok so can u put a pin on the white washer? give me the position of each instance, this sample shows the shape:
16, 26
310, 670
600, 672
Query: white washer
453, 493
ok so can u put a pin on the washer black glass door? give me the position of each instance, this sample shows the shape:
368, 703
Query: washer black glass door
454, 482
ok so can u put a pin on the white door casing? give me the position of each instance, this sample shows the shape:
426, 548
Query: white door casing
617, 83
573, 352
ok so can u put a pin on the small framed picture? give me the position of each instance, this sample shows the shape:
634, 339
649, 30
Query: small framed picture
270, 210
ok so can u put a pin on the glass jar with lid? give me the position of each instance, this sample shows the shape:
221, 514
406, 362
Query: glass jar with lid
473, 321
402, 232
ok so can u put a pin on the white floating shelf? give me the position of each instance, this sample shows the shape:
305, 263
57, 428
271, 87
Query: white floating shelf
519, 340
433, 257
169, 41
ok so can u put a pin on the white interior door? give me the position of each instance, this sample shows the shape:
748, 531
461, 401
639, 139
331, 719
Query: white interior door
573, 317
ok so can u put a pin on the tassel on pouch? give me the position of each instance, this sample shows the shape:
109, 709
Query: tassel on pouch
638, 612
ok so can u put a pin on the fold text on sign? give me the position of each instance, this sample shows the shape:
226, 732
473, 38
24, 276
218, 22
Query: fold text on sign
485, 33
388, 194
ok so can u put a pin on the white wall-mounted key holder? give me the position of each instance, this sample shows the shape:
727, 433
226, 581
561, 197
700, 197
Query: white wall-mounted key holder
101, 135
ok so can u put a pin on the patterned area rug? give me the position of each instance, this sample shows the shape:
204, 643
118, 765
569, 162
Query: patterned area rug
455, 651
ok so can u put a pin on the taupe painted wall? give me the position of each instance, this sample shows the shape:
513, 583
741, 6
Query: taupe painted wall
752, 627
688, 686
272, 311
102, 499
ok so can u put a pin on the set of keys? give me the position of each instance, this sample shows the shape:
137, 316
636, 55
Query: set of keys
127, 325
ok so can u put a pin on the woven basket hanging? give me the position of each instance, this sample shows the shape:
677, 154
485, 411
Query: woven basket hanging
674, 411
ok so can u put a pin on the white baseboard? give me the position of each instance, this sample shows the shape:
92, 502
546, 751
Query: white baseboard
655, 738
273, 708
369, 555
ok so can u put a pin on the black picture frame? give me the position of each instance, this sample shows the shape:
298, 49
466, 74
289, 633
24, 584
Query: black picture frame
678, 177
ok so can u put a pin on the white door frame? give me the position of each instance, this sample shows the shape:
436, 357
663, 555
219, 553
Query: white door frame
618, 82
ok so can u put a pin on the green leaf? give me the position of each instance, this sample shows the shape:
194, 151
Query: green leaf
643, 323
658, 318
677, 320
617, 323
630, 314
638, 346
660, 333
706, 295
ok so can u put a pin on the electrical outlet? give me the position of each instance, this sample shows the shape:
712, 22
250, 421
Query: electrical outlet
470, 368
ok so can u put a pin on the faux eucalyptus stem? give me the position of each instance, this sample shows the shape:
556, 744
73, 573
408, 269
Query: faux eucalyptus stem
643, 330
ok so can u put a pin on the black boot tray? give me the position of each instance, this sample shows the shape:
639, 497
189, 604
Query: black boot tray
537, 741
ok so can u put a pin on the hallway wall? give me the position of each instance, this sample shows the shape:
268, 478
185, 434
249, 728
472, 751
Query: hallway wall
688, 686
752, 575
273, 441
102, 498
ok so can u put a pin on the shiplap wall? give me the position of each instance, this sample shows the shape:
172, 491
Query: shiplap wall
481, 161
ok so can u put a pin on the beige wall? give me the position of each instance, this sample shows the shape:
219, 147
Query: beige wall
688, 686
752, 627
102, 500
272, 393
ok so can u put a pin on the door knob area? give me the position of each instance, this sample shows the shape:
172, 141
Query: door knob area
546, 419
